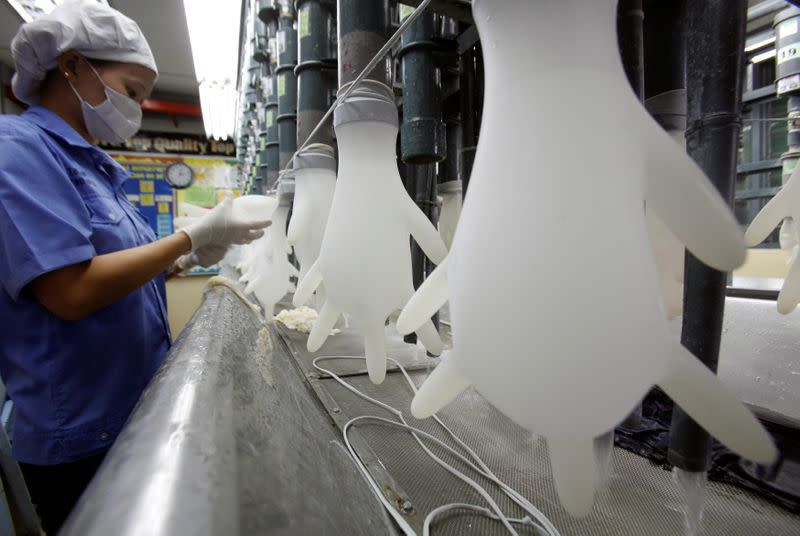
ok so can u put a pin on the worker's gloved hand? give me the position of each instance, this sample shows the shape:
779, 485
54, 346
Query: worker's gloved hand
222, 227
205, 257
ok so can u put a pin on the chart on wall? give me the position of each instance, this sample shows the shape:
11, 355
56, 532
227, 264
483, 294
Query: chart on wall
149, 191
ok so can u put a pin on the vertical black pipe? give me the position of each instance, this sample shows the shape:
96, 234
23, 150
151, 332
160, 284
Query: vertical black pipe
268, 12
715, 52
422, 142
315, 68
664, 47
362, 28
471, 109
420, 182
630, 35
422, 136
287, 82
450, 167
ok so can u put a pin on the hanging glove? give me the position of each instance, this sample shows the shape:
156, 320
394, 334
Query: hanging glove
220, 227
785, 204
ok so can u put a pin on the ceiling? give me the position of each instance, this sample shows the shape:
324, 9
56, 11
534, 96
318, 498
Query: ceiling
164, 25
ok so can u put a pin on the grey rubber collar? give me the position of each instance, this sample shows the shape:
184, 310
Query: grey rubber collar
370, 101
316, 156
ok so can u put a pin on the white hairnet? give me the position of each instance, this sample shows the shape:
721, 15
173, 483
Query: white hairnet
94, 29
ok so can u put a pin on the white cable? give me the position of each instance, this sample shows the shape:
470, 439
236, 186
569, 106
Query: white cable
426, 528
486, 472
458, 474
483, 470
511, 492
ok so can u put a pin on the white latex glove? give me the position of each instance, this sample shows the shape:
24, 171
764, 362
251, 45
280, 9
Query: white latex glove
448, 218
668, 252
785, 204
222, 227
790, 238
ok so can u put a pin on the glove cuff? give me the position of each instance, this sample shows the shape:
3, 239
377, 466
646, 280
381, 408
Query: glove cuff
188, 231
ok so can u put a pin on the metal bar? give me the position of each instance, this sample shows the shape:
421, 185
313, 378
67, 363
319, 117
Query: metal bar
757, 193
753, 167
16, 499
757, 95
765, 8
715, 56
178, 441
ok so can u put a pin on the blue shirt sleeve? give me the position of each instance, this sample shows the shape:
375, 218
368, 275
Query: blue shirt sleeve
44, 224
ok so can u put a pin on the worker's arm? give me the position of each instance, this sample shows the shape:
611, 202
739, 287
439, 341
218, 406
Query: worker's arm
76, 291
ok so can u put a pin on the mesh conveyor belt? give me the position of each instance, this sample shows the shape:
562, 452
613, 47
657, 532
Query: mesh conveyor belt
640, 498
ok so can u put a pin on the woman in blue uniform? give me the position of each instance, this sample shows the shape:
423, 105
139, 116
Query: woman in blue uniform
83, 303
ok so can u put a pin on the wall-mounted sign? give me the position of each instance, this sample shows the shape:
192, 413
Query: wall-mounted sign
158, 142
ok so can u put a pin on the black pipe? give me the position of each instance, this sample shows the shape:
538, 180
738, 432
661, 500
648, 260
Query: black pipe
316, 68
362, 28
450, 167
262, 169
715, 54
420, 182
422, 135
260, 41
267, 10
664, 47
287, 83
471, 110
631, 43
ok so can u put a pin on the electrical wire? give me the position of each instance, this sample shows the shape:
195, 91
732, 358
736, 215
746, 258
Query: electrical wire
544, 525
360, 78
464, 506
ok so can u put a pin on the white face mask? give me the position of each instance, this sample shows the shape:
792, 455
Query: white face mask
115, 119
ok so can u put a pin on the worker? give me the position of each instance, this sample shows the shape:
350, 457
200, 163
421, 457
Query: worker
83, 303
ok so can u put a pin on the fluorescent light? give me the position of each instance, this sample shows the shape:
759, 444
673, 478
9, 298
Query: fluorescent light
758, 58
214, 36
760, 44
33, 9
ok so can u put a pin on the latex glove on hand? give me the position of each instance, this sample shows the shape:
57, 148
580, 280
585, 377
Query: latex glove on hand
204, 257
221, 227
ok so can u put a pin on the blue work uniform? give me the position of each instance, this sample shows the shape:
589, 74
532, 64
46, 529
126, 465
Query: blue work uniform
73, 383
